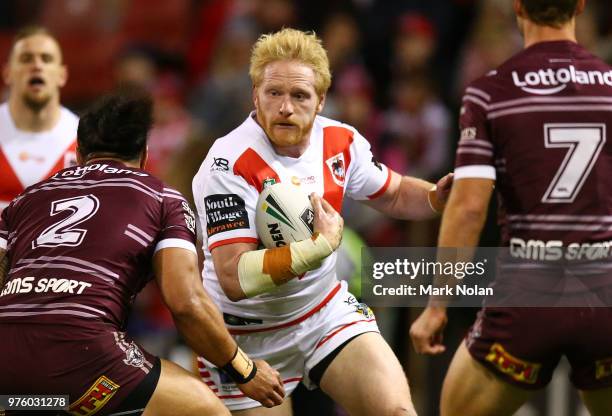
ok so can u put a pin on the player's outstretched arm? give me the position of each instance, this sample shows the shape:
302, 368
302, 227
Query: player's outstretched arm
462, 223
411, 198
201, 324
244, 271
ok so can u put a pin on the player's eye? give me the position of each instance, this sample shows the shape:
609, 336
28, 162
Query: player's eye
25, 58
46, 58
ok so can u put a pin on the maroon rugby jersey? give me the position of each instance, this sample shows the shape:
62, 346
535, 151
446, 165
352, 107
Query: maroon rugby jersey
540, 126
81, 243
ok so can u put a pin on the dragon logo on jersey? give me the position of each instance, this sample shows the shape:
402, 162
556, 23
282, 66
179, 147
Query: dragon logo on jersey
336, 166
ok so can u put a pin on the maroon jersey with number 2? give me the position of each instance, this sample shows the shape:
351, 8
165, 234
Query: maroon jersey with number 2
80, 246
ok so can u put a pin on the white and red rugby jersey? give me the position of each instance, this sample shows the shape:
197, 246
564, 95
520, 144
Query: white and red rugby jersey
27, 158
338, 162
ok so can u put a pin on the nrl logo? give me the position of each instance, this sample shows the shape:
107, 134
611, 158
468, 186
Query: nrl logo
268, 182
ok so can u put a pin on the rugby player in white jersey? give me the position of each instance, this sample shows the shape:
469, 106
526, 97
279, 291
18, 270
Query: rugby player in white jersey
286, 303
37, 134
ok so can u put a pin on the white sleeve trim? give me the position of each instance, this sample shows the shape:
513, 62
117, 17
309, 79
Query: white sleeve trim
475, 171
177, 243
3, 244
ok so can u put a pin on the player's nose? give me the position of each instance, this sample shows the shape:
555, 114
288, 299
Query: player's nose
286, 108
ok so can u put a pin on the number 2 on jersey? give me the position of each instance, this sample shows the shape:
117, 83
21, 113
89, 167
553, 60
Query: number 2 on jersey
63, 233
584, 143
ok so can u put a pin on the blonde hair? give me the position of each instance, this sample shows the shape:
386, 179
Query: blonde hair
291, 44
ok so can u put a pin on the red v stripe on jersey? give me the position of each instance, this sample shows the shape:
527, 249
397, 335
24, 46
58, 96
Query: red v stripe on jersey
254, 169
66, 160
335, 140
11, 185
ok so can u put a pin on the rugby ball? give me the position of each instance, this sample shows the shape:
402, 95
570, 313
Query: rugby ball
284, 215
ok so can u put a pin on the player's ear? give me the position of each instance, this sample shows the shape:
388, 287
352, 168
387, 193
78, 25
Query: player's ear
63, 75
6, 74
580, 7
255, 100
321, 103
79, 157
144, 157
518, 8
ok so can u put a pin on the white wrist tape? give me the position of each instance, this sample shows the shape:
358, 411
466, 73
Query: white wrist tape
260, 271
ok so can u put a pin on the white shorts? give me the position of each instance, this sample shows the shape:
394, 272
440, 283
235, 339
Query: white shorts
294, 350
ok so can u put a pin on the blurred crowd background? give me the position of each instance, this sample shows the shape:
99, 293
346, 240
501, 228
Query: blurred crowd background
399, 68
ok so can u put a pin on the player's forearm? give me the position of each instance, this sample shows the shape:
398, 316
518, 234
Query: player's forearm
202, 327
408, 199
261, 271
460, 229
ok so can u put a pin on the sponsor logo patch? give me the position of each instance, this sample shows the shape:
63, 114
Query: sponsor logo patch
95, 398
365, 310
189, 217
268, 182
468, 133
550, 81
376, 163
225, 212
219, 165
520, 370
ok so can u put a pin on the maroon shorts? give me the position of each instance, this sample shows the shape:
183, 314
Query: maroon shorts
97, 368
524, 345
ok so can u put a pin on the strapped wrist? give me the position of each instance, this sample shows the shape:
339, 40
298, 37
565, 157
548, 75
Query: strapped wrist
261, 271
432, 198
240, 368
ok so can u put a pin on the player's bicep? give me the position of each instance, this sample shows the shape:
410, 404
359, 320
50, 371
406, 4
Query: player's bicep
225, 259
386, 201
177, 275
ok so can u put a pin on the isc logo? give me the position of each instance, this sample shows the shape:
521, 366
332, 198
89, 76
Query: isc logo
276, 235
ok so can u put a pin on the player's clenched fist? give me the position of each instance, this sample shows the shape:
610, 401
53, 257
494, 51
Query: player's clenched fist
426, 331
327, 221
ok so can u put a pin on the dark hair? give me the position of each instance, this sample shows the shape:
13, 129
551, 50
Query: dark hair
550, 12
116, 125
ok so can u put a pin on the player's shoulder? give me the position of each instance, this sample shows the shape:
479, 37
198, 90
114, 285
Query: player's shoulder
231, 146
240, 146
6, 121
69, 121
339, 132
326, 122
